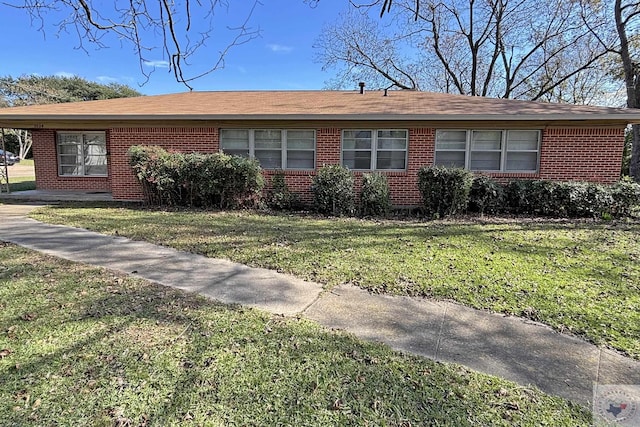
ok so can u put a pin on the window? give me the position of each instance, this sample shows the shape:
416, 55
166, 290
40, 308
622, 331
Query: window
274, 148
375, 149
82, 154
488, 150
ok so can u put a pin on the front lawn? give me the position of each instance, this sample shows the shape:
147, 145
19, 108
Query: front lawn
581, 277
82, 346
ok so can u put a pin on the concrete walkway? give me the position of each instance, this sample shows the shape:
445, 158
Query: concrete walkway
509, 347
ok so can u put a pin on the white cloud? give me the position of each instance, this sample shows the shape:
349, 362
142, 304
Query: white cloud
107, 79
65, 74
278, 48
157, 64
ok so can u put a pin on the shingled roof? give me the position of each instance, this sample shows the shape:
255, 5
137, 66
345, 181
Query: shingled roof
311, 105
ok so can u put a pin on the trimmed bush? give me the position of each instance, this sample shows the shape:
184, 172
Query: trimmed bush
486, 195
375, 197
332, 189
280, 197
210, 180
445, 191
626, 196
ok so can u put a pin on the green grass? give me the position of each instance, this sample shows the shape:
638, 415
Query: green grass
82, 346
580, 277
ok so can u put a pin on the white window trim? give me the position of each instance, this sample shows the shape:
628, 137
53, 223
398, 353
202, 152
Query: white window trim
374, 149
82, 133
283, 146
503, 150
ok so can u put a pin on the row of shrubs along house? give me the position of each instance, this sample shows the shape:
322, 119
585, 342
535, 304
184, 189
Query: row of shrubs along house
83, 146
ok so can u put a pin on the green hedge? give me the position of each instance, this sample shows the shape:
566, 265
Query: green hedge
209, 180
375, 196
445, 191
332, 189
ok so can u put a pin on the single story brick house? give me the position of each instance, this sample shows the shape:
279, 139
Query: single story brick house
83, 146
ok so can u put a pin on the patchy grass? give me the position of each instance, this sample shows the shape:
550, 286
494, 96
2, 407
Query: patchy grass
580, 277
83, 346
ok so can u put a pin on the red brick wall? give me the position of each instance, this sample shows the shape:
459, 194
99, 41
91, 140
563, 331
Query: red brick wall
124, 184
46, 164
582, 154
589, 154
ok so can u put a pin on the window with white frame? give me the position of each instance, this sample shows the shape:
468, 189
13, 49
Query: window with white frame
82, 153
383, 149
488, 150
274, 148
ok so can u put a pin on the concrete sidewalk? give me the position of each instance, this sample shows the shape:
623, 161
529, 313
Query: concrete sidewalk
513, 348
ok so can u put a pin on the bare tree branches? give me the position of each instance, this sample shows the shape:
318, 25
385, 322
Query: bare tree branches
527, 49
140, 23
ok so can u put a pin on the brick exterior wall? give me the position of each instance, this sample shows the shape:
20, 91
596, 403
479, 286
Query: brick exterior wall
585, 154
45, 157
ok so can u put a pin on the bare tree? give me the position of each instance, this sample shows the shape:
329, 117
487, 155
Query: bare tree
627, 13
527, 49
24, 140
139, 23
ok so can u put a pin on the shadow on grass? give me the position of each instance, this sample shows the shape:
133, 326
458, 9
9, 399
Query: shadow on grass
93, 348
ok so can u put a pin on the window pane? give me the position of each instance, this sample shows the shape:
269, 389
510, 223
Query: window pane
357, 159
356, 140
522, 140
268, 139
392, 134
451, 140
69, 149
234, 134
486, 140
69, 138
94, 139
269, 159
391, 160
300, 135
392, 144
68, 159
453, 159
485, 160
70, 170
300, 159
234, 140
522, 161
300, 144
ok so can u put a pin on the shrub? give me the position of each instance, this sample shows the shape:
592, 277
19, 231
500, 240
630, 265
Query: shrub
280, 197
625, 196
332, 189
195, 179
445, 191
375, 197
152, 166
486, 195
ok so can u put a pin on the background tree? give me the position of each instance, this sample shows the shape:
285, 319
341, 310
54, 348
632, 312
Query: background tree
184, 27
626, 14
606, 51
31, 90
525, 49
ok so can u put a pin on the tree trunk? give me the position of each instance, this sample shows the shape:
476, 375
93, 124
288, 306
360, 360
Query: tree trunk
631, 77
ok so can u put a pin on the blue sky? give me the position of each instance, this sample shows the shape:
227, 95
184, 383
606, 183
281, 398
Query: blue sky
281, 58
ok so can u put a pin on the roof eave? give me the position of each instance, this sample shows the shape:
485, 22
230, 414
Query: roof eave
35, 118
